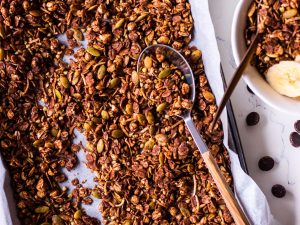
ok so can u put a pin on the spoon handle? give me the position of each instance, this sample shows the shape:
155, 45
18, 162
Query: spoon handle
236, 77
229, 198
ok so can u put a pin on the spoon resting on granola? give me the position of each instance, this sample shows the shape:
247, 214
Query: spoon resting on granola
176, 78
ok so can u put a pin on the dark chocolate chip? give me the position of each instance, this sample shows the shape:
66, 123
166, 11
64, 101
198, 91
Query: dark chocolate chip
295, 139
252, 119
278, 191
297, 126
266, 163
250, 90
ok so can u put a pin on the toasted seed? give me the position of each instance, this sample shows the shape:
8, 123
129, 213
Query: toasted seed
161, 139
75, 77
163, 40
52, 6
86, 126
37, 143
78, 214
58, 94
114, 82
164, 73
135, 78
100, 146
150, 117
78, 35
141, 17
119, 23
161, 158
149, 144
196, 55
104, 115
95, 193
185, 212
35, 13
289, 13
142, 119
161, 107
41, 209
129, 108
54, 132
117, 133
127, 222
96, 120
148, 62
208, 96
56, 220
93, 51
101, 72
2, 32
1, 54
64, 82
77, 96
49, 144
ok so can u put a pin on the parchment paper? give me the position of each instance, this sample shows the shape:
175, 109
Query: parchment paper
246, 190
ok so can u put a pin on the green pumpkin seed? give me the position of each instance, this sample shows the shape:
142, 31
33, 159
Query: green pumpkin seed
142, 119
96, 194
100, 146
78, 214
64, 82
114, 82
150, 117
41, 209
101, 72
185, 212
77, 96
37, 143
56, 220
161, 107
117, 133
76, 77
104, 115
78, 35
96, 120
161, 139
119, 23
58, 94
86, 126
141, 17
196, 55
93, 51
127, 222
164, 73
129, 108
149, 144
161, 158
54, 132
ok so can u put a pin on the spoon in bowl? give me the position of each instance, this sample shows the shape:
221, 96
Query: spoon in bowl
178, 60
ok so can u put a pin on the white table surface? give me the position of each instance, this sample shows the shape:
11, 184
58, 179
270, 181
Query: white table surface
269, 137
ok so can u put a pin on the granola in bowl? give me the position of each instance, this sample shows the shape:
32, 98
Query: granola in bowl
148, 170
279, 45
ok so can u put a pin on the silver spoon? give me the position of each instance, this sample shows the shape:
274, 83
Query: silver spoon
178, 60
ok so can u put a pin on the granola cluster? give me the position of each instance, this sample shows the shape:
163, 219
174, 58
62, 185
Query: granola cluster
279, 22
148, 170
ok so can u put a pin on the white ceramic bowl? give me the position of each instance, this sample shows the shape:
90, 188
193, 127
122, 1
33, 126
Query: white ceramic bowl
251, 76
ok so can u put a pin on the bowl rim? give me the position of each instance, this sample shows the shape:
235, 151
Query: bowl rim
249, 76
